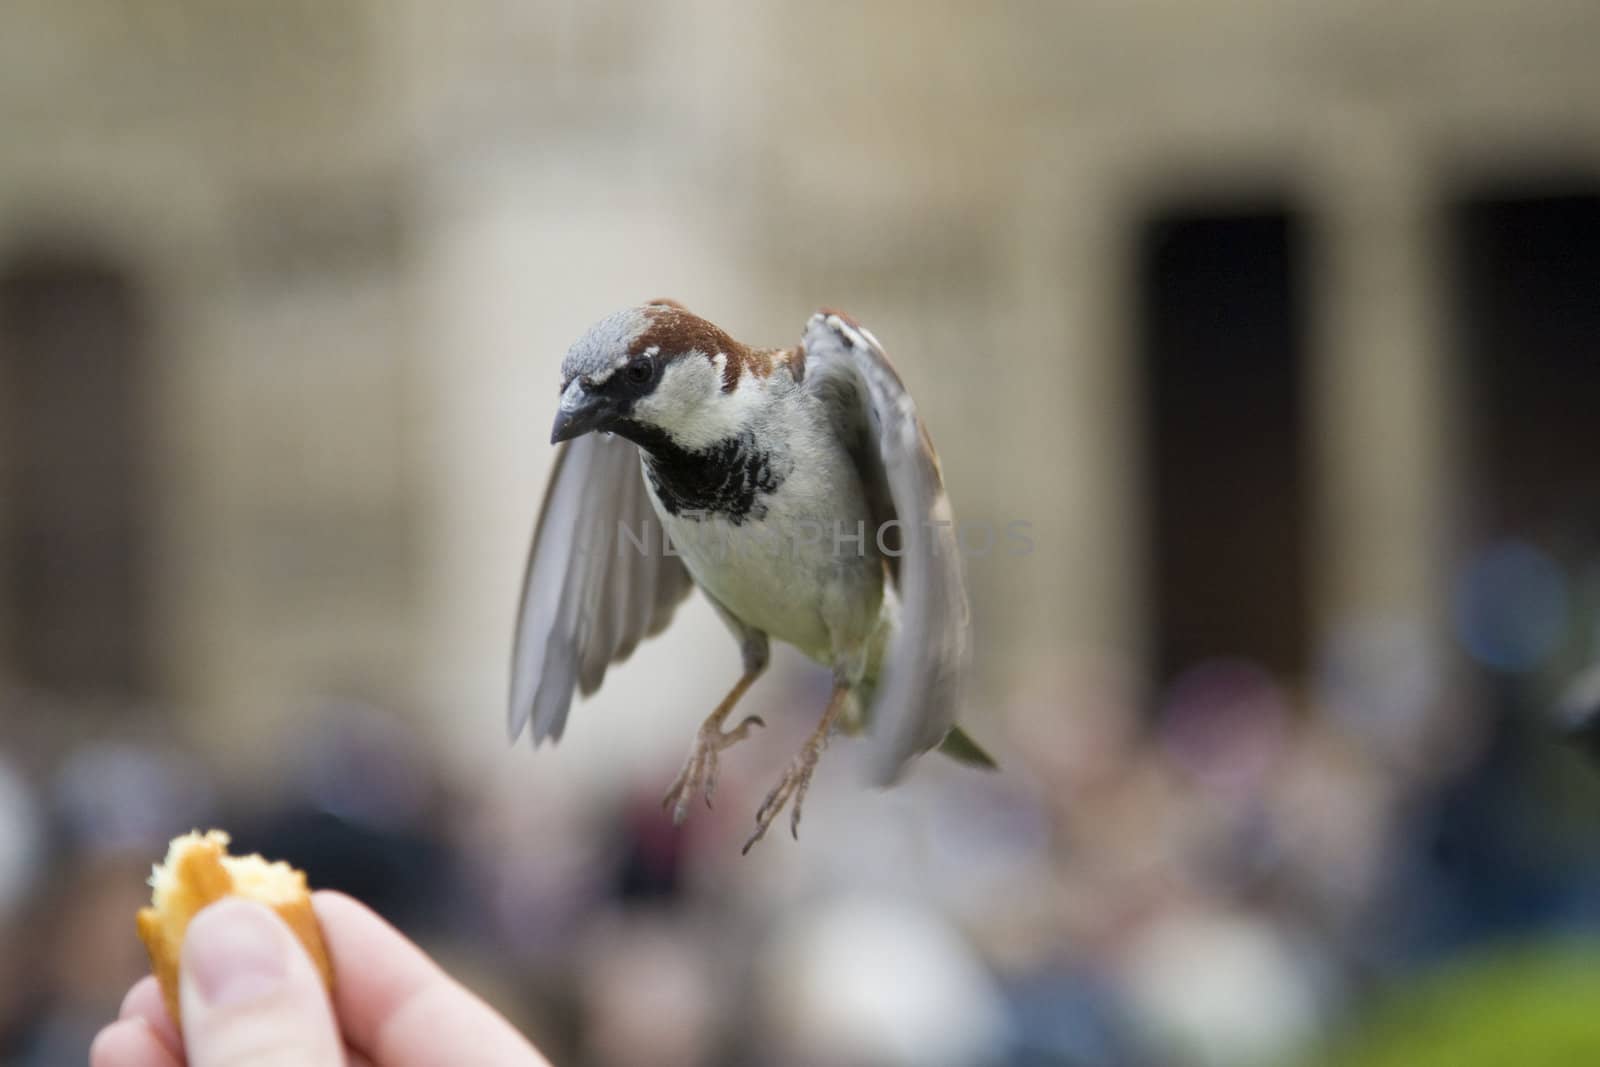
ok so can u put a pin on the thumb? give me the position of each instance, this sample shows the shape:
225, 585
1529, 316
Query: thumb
250, 994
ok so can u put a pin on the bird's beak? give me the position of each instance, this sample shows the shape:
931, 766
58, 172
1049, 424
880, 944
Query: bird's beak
580, 412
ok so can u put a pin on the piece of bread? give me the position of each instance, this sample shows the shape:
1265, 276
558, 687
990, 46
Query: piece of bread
198, 871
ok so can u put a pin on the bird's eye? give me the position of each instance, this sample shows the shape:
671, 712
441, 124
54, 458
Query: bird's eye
639, 371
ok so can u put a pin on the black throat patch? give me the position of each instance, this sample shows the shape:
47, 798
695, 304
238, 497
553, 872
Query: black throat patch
730, 478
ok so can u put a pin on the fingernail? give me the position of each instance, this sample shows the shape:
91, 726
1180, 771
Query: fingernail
235, 952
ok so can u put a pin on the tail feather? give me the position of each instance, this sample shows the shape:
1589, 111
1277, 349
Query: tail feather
960, 746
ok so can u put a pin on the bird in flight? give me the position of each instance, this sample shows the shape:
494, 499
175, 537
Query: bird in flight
797, 488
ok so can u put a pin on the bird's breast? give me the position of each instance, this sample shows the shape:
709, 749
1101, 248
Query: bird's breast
732, 479
798, 563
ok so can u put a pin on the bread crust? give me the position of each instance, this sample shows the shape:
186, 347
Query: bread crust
197, 875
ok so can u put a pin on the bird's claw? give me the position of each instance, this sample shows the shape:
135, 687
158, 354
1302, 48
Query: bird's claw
794, 783
699, 773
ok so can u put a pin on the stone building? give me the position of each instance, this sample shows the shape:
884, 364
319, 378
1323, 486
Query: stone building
284, 287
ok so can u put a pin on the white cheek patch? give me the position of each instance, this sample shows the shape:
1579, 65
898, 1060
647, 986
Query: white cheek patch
689, 404
683, 387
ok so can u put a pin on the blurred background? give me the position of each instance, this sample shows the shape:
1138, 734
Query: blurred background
1279, 324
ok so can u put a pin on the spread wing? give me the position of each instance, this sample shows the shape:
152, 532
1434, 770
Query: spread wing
920, 684
590, 592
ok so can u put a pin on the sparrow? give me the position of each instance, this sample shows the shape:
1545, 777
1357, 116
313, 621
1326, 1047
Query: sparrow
797, 488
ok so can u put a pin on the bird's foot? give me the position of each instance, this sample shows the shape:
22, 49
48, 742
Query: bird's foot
699, 774
794, 783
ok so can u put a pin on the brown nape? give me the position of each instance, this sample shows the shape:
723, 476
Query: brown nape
674, 332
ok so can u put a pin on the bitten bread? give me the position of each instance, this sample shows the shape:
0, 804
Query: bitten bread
198, 871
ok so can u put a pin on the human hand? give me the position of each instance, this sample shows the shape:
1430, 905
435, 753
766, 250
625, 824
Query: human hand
250, 995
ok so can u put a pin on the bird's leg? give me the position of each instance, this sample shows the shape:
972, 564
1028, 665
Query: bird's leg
699, 774
797, 779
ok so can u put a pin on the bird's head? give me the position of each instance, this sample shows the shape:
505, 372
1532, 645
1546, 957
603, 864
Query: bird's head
654, 370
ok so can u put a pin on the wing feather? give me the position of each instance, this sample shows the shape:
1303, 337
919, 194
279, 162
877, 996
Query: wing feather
924, 670
588, 596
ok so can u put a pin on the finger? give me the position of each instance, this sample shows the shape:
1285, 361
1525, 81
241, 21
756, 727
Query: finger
130, 1043
397, 1006
144, 1002
250, 994
352, 1058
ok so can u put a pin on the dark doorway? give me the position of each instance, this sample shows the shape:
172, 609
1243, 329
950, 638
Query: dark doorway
1222, 356
1527, 325
74, 433
1528, 322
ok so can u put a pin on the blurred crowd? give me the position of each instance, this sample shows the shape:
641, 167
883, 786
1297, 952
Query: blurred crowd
1221, 873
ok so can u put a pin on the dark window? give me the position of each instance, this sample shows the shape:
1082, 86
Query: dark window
1222, 347
1528, 320
72, 433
